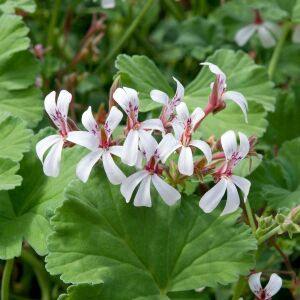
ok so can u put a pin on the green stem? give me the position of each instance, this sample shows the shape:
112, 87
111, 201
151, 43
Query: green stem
39, 270
174, 9
250, 216
269, 235
52, 23
127, 34
276, 54
6, 279
240, 285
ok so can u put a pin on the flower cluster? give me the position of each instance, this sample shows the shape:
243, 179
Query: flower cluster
148, 145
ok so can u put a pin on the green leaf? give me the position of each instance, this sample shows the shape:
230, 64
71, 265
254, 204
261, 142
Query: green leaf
284, 121
15, 138
161, 249
243, 76
24, 211
10, 6
277, 182
13, 36
8, 179
143, 75
296, 12
96, 292
18, 70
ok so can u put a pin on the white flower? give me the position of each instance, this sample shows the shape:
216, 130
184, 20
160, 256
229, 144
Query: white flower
184, 126
267, 31
139, 133
98, 141
108, 3
269, 291
169, 106
296, 34
219, 95
58, 113
226, 180
151, 174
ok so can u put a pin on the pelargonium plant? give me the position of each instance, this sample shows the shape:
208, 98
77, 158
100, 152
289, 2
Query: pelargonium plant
149, 150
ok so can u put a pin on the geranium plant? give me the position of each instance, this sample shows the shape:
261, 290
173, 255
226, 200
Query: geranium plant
149, 150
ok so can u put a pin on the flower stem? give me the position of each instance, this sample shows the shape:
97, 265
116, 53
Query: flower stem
52, 23
240, 285
269, 235
127, 34
250, 216
41, 274
276, 54
6, 279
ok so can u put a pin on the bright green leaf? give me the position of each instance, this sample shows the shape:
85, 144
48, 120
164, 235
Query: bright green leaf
142, 74
10, 6
296, 12
18, 72
23, 211
98, 238
8, 178
14, 137
96, 292
277, 182
243, 76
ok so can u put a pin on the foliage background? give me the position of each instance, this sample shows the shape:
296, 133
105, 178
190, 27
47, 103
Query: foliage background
86, 48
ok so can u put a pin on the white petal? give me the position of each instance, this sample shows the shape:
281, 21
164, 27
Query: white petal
239, 99
130, 183
296, 34
204, 147
178, 95
113, 120
242, 183
126, 97
185, 162
159, 96
233, 199
116, 150
182, 112
43, 145
196, 116
244, 34
254, 283
89, 122
167, 146
274, 28
130, 148
244, 144
178, 128
63, 102
168, 193
114, 174
143, 197
229, 145
212, 198
50, 104
84, 139
148, 143
52, 161
214, 69
265, 37
273, 286
153, 124
84, 167
106, 4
